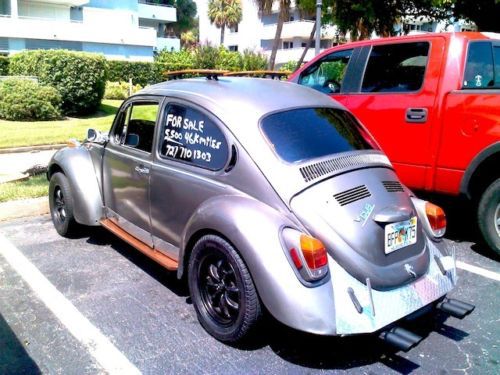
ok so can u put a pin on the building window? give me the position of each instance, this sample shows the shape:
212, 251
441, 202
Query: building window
234, 29
287, 45
233, 48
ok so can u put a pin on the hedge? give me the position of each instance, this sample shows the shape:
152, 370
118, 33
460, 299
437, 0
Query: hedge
119, 90
79, 77
26, 100
4, 65
142, 73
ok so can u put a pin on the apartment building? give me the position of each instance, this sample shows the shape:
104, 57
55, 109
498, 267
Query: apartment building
256, 31
119, 29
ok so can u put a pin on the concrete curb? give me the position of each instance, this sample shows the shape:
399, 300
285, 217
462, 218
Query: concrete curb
31, 148
23, 208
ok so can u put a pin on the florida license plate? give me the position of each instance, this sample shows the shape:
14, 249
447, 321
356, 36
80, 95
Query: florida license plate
401, 234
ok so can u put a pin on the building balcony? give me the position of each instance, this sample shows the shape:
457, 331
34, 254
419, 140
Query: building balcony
152, 11
73, 3
292, 54
170, 44
50, 29
293, 29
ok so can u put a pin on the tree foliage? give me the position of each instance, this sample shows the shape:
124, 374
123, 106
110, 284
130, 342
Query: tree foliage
484, 13
224, 13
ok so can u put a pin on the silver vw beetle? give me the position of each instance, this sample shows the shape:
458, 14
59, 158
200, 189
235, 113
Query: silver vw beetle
263, 194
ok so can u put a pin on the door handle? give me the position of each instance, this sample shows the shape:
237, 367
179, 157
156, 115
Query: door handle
416, 115
142, 169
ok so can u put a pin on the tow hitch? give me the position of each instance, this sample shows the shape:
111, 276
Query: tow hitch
455, 308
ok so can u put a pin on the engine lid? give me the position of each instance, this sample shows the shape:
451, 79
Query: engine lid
369, 225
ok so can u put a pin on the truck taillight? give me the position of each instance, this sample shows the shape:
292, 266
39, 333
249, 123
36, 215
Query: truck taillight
437, 219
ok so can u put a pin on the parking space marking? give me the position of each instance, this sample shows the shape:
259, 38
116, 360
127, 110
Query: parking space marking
104, 352
478, 271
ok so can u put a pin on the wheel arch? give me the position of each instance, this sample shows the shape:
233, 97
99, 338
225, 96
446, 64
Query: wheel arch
481, 172
76, 164
253, 229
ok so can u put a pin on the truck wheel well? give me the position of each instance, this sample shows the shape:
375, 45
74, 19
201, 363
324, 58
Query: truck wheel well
487, 172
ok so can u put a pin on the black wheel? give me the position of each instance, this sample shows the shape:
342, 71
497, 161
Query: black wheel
488, 215
61, 205
222, 290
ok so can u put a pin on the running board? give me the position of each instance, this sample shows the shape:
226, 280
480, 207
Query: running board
169, 263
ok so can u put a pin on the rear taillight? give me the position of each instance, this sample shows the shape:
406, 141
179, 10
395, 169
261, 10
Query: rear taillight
307, 254
436, 218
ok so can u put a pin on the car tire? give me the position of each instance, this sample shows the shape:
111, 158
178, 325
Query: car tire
488, 215
222, 290
61, 205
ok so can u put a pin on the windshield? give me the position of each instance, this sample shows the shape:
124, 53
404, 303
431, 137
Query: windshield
308, 133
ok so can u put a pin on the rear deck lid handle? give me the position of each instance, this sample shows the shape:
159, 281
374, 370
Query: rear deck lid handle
392, 214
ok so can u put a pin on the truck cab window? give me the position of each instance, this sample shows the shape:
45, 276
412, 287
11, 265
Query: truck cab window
479, 72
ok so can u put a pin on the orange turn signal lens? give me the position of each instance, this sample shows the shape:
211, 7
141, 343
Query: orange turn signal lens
436, 217
314, 252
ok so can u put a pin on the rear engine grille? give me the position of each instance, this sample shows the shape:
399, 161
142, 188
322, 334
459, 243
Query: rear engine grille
316, 170
393, 186
352, 195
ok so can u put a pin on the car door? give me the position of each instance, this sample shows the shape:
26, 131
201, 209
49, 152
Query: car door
127, 165
192, 153
396, 100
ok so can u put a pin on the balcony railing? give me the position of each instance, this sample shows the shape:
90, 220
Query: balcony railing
149, 2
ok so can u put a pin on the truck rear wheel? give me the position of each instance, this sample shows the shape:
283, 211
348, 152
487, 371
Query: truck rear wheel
488, 215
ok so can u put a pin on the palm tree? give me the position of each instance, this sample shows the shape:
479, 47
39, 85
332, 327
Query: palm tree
265, 6
224, 13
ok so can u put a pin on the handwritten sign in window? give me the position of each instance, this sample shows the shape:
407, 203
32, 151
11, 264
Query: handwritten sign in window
190, 136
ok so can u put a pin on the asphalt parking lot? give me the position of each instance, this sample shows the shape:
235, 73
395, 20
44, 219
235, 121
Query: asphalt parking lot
93, 304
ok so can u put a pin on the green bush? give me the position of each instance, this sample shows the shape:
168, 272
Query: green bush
254, 60
228, 60
206, 57
142, 73
26, 100
79, 77
288, 66
119, 90
4, 65
171, 61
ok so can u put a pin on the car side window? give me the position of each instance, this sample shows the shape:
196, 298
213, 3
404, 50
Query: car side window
327, 74
136, 126
480, 70
190, 136
396, 67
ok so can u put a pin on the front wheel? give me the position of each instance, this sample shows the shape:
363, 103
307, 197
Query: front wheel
488, 213
222, 290
61, 205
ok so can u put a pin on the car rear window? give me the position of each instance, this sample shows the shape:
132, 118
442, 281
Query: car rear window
482, 70
308, 133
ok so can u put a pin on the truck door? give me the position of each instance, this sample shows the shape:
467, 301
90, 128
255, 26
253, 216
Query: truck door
396, 99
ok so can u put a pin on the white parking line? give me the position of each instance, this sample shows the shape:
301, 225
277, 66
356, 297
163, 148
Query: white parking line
98, 345
478, 271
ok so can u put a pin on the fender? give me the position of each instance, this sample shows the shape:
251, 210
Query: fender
254, 229
76, 164
474, 165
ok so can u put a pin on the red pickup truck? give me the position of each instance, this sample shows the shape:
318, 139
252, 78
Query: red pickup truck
432, 101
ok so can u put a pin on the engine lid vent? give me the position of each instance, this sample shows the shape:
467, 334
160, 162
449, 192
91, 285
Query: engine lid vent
313, 171
393, 186
352, 195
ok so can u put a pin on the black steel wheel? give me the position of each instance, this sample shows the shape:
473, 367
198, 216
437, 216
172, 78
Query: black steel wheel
488, 215
61, 205
222, 290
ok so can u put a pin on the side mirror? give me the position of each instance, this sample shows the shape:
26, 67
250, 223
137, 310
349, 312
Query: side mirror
96, 136
132, 140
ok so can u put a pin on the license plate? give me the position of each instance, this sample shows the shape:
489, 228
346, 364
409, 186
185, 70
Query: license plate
401, 234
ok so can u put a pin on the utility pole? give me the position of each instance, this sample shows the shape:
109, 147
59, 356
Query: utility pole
319, 3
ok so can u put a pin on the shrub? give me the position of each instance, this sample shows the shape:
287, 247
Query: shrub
170, 61
4, 65
228, 60
79, 77
289, 66
26, 100
254, 60
119, 90
142, 73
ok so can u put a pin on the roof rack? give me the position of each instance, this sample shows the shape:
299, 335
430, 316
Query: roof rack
213, 74
209, 73
273, 74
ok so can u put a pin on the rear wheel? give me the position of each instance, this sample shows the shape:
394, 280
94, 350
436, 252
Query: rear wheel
61, 205
488, 213
222, 290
